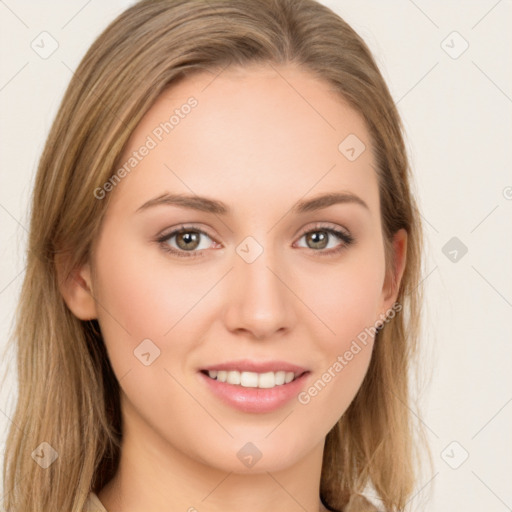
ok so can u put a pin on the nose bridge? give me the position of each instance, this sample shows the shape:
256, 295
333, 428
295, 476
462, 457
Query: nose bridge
261, 301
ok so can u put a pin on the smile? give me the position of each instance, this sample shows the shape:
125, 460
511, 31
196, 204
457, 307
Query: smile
255, 387
265, 380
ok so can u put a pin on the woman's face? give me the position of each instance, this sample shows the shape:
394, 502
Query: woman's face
258, 285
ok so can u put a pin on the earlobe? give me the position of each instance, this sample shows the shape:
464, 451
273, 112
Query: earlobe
76, 289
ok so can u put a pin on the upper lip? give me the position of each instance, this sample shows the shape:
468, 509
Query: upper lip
246, 365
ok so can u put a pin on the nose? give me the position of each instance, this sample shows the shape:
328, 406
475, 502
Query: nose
259, 300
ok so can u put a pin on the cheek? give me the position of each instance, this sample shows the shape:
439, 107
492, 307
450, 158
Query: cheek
345, 355
127, 304
141, 302
145, 297
346, 297
346, 300
142, 292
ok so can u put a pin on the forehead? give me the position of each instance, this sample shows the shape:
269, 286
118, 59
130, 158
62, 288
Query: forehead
257, 133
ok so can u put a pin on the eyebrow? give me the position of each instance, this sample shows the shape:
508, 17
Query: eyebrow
206, 204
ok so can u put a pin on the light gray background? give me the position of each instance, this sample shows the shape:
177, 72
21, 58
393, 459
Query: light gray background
457, 114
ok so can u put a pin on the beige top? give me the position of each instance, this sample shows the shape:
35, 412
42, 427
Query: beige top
93, 504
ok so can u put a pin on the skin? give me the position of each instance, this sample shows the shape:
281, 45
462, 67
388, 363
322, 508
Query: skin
259, 145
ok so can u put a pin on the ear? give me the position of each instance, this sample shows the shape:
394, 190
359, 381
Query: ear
76, 288
394, 278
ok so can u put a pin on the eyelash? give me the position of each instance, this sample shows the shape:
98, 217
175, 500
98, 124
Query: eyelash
345, 237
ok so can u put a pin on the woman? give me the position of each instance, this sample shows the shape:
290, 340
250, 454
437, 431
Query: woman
222, 294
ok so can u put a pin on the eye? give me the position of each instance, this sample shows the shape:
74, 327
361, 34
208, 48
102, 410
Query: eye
322, 237
185, 242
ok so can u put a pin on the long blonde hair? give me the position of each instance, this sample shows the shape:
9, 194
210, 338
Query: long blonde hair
68, 393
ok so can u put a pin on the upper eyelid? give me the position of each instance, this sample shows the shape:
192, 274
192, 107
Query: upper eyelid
183, 228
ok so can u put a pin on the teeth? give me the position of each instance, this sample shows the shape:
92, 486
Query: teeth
280, 378
248, 379
252, 379
233, 378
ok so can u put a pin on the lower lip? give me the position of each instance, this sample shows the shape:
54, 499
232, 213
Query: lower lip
258, 400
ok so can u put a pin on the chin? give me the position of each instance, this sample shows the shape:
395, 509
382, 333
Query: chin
260, 455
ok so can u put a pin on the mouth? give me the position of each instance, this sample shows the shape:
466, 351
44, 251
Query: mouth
266, 380
253, 387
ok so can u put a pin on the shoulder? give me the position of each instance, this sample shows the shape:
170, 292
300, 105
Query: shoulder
93, 504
